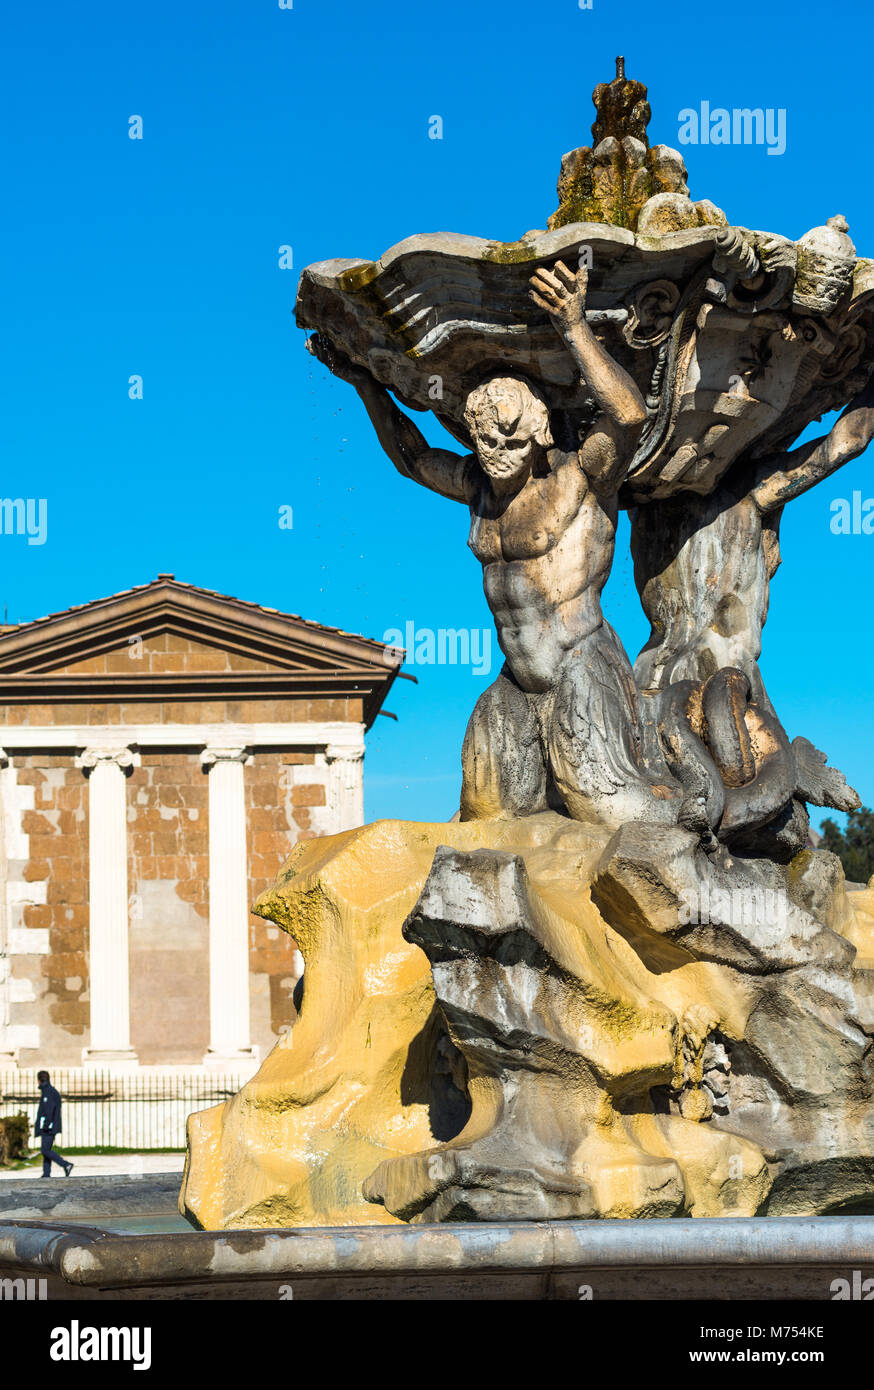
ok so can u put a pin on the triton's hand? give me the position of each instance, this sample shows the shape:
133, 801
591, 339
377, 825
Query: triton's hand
562, 295
336, 361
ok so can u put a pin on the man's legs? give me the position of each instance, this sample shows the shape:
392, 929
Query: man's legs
50, 1155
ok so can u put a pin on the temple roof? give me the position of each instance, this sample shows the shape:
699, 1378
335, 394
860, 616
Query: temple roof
83, 653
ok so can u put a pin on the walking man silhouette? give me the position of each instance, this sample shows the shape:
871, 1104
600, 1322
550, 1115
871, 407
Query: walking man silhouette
48, 1124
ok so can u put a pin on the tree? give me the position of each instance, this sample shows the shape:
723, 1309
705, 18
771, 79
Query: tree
854, 846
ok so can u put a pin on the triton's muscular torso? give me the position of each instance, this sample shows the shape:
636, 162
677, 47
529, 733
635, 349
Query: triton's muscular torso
546, 555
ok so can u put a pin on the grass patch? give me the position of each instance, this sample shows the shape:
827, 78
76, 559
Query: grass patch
65, 1150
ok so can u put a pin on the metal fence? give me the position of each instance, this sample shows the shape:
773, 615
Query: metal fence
131, 1111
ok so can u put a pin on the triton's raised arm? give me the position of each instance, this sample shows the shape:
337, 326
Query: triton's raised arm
438, 469
801, 469
608, 448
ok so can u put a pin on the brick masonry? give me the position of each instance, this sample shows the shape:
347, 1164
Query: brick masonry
168, 880
286, 801
47, 897
182, 712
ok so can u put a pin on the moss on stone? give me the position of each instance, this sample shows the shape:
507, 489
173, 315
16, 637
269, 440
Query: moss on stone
510, 252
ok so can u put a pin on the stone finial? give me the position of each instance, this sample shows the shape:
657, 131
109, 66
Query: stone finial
826, 264
612, 180
832, 239
622, 108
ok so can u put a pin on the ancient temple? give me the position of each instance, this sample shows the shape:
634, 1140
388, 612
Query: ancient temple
163, 750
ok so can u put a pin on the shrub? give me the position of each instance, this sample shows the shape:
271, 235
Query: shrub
14, 1134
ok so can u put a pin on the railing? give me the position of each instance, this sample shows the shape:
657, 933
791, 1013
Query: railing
131, 1111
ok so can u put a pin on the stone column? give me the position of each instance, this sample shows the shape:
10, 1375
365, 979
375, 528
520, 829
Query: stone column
229, 1037
108, 962
345, 785
8, 1053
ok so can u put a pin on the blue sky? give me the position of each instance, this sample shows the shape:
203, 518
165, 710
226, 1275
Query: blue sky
309, 127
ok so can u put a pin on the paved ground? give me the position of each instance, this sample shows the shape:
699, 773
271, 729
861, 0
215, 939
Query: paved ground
100, 1165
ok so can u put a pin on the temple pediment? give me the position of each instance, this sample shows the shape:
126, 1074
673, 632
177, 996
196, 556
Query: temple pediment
170, 640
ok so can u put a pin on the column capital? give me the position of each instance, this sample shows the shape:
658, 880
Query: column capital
122, 757
342, 752
209, 756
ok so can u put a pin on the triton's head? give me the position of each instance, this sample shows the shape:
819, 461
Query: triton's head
509, 423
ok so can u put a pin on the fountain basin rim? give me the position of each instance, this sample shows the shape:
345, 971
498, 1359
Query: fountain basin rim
88, 1256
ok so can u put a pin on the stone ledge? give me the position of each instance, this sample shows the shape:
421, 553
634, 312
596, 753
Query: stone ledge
25, 1199
721, 1258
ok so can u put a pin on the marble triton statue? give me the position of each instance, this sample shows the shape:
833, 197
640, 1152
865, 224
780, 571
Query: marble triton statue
543, 522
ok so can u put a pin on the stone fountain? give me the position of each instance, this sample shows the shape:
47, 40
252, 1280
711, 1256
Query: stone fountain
621, 984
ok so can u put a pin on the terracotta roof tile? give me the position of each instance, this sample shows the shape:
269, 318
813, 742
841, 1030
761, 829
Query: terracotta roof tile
170, 582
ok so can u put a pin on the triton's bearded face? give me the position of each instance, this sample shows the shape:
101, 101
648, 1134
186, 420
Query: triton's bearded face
503, 449
509, 425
